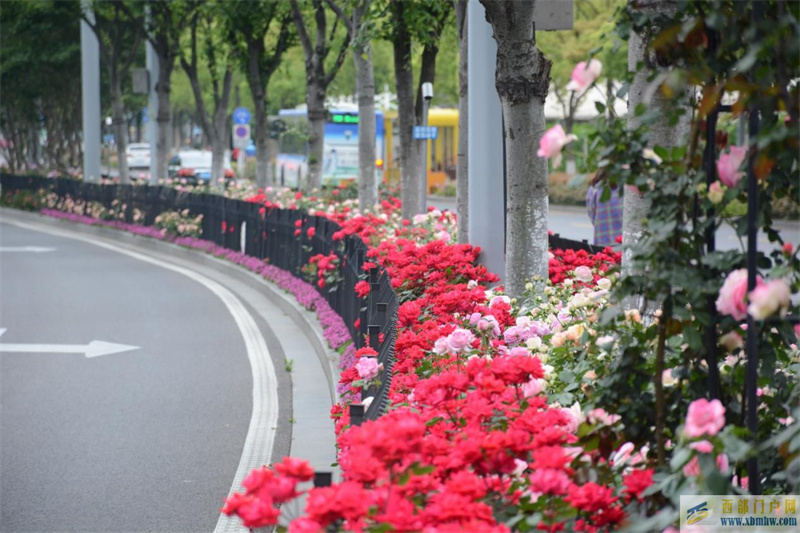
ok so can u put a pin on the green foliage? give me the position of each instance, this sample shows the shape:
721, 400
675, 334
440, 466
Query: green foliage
673, 278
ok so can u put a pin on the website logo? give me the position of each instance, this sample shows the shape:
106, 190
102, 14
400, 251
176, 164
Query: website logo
697, 513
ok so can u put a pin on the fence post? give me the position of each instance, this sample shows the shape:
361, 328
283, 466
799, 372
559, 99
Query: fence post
356, 414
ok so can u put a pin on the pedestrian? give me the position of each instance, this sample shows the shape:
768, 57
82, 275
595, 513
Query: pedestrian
606, 216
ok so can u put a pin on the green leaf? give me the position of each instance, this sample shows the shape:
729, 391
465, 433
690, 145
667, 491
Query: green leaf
680, 458
601, 107
661, 152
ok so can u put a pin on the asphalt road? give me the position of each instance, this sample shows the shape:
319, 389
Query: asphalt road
144, 440
573, 222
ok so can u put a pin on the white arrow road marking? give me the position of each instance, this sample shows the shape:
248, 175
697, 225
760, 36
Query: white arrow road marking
34, 249
93, 349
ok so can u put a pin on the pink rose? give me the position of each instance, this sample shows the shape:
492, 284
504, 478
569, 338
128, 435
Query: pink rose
715, 192
552, 142
533, 387
519, 351
600, 416
722, 462
704, 418
731, 299
728, 166
621, 456
367, 367
440, 347
584, 75
692, 468
584, 273
702, 446
460, 339
573, 418
768, 298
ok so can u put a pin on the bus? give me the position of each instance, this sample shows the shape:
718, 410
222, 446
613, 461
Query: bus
340, 152
340, 147
442, 151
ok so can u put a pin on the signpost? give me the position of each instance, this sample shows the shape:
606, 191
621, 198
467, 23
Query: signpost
241, 136
241, 115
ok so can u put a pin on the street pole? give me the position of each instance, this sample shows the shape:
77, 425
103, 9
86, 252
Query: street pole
241, 155
427, 96
485, 144
90, 92
151, 63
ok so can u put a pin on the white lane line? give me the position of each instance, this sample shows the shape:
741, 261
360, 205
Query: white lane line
260, 438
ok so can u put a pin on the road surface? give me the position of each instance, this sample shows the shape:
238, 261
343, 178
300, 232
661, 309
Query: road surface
572, 222
147, 439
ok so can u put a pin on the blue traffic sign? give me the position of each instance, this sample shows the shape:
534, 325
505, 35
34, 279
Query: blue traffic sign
425, 132
241, 115
145, 115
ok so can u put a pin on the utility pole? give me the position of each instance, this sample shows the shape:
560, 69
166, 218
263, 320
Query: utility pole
90, 92
151, 63
486, 189
241, 155
427, 96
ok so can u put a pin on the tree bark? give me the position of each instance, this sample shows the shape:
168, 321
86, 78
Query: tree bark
409, 156
162, 120
462, 170
636, 205
317, 82
522, 78
264, 176
317, 115
365, 86
120, 133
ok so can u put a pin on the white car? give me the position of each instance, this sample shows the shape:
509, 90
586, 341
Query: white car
138, 155
195, 166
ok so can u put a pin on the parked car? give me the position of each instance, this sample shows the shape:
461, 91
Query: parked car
195, 166
138, 155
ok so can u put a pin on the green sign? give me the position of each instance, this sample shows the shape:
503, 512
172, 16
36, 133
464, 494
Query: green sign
344, 119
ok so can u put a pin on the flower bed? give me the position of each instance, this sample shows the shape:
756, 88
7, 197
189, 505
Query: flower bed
471, 442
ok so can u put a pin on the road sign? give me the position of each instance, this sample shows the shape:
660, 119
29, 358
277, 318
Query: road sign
241, 135
241, 115
425, 132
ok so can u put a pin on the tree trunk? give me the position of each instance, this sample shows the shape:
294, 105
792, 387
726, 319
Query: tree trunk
317, 115
365, 86
409, 156
120, 129
636, 205
263, 163
462, 172
162, 120
522, 78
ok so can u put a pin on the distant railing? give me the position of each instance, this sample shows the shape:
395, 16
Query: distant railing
267, 234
